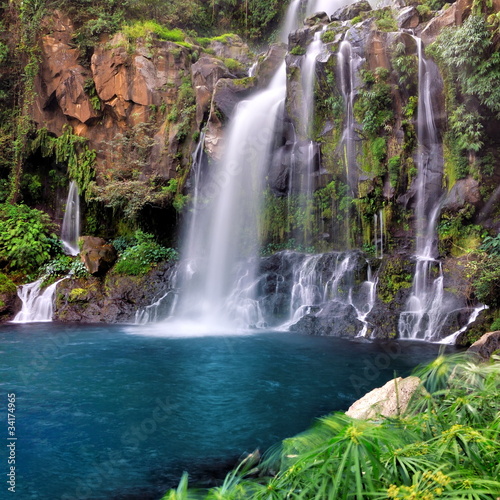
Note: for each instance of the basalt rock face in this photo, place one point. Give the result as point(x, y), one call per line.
point(130, 89)
point(113, 299)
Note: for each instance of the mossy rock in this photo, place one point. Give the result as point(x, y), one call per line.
point(78, 295)
point(396, 273)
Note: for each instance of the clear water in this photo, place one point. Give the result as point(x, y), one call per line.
point(111, 412)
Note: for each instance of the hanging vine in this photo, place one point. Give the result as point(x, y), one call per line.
point(70, 149)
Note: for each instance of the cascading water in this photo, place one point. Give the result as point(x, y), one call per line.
point(70, 231)
point(291, 20)
point(323, 282)
point(451, 339)
point(37, 306)
point(348, 63)
point(365, 301)
point(219, 288)
point(425, 308)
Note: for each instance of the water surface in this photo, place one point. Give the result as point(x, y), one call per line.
point(111, 412)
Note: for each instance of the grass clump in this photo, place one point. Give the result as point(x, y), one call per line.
point(141, 29)
point(445, 446)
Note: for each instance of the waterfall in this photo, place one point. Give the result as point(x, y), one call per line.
point(366, 301)
point(348, 63)
point(70, 231)
point(291, 20)
point(378, 233)
point(451, 339)
point(425, 309)
point(322, 280)
point(37, 306)
point(224, 228)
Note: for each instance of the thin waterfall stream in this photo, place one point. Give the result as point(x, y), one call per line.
point(425, 307)
point(70, 230)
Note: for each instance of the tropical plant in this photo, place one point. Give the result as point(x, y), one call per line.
point(26, 238)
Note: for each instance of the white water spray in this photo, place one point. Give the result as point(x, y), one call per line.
point(37, 305)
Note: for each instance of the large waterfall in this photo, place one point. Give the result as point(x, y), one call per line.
point(222, 246)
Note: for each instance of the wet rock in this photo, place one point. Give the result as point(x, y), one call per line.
point(269, 63)
point(390, 400)
point(436, 25)
point(351, 11)
point(465, 191)
point(113, 299)
point(205, 73)
point(408, 18)
point(8, 298)
point(227, 94)
point(232, 47)
point(476, 329)
point(335, 320)
point(97, 255)
point(487, 345)
point(317, 18)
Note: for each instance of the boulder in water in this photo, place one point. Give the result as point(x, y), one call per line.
point(97, 255)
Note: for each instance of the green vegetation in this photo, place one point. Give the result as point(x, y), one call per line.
point(140, 257)
point(6, 284)
point(26, 238)
point(70, 149)
point(394, 276)
point(142, 29)
point(445, 446)
point(384, 19)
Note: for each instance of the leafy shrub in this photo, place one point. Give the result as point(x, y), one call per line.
point(139, 258)
point(486, 280)
point(63, 265)
point(491, 244)
point(468, 52)
point(26, 238)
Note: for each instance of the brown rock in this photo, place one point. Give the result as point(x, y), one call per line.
point(436, 25)
point(272, 60)
point(487, 345)
point(62, 78)
point(205, 73)
point(317, 18)
point(389, 400)
point(97, 255)
point(351, 11)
